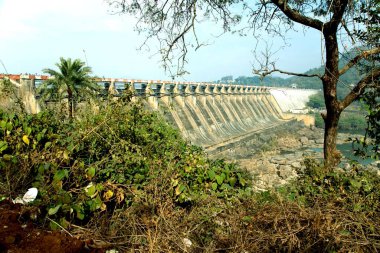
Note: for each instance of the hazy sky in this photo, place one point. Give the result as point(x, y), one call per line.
point(35, 33)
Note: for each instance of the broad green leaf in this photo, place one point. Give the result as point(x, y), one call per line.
point(28, 131)
point(54, 210)
point(247, 218)
point(60, 174)
point(355, 184)
point(357, 207)
point(90, 190)
point(80, 215)
point(232, 181)
point(98, 202)
point(179, 189)
point(225, 186)
point(7, 157)
point(47, 144)
point(3, 124)
point(9, 126)
point(79, 211)
point(211, 174)
point(66, 155)
point(91, 172)
point(188, 169)
point(3, 146)
point(64, 223)
point(220, 178)
point(242, 181)
point(345, 232)
point(139, 176)
point(53, 225)
point(214, 186)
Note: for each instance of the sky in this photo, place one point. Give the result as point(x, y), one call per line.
point(35, 34)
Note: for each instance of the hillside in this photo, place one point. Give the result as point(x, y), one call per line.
point(350, 77)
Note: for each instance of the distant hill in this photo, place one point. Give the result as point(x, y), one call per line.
point(352, 76)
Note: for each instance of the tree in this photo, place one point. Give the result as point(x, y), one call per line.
point(316, 101)
point(173, 22)
point(72, 80)
point(370, 19)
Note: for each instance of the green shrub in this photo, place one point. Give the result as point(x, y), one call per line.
point(121, 156)
point(348, 122)
point(357, 190)
point(316, 101)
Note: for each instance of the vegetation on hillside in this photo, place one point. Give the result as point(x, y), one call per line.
point(106, 161)
point(349, 78)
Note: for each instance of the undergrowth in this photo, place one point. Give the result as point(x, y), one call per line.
point(125, 178)
point(113, 159)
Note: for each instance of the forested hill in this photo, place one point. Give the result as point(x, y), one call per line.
point(350, 77)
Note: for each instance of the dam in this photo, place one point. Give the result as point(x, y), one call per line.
point(214, 116)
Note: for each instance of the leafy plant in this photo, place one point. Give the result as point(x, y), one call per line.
point(356, 190)
point(116, 158)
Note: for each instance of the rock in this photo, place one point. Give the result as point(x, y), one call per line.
point(282, 162)
point(266, 168)
point(319, 141)
point(347, 166)
point(296, 165)
point(339, 170)
point(286, 172)
point(304, 140)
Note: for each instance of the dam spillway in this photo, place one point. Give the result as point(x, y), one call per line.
point(216, 115)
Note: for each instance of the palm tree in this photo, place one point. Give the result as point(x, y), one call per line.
point(72, 80)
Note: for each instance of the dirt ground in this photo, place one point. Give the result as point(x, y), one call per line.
point(19, 234)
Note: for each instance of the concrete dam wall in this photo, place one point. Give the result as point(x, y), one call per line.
point(215, 116)
point(292, 100)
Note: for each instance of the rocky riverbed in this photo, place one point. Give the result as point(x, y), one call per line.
point(284, 159)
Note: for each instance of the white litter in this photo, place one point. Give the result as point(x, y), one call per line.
point(29, 196)
point(112, 251)
point(187, 242)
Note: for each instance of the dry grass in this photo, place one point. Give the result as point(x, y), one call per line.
point(240, 226)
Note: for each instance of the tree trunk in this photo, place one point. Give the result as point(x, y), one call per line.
point(333, 107)
point(70, 102)
point(331, 155)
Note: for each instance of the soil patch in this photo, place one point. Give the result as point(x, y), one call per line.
point(19, 234)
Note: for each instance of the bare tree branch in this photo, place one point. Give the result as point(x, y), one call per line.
point(344, 25)
point(268, 66)
point(356, 59)
point(297, 16)
point(268, 72)
point(360, 87)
